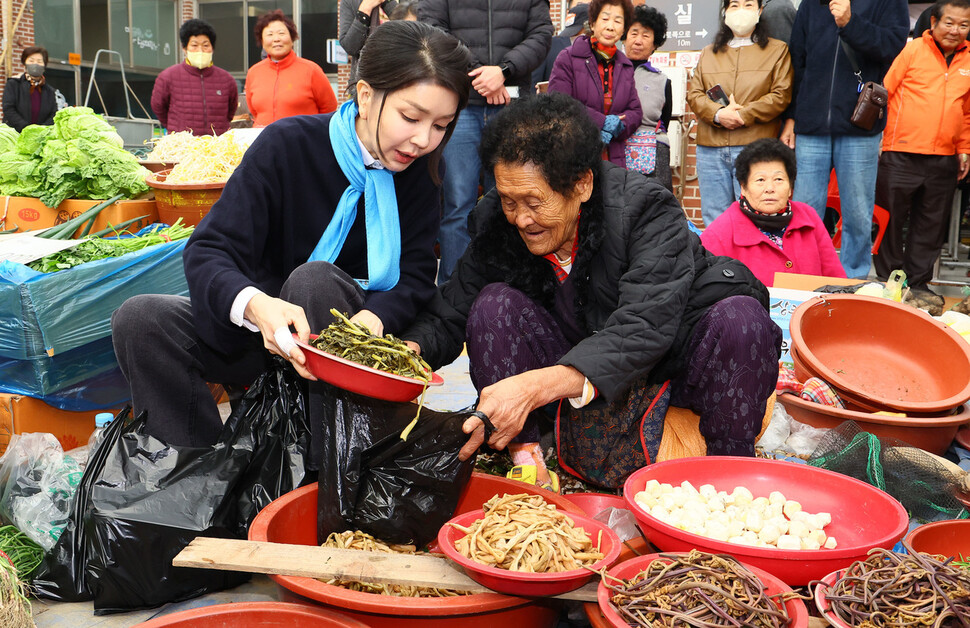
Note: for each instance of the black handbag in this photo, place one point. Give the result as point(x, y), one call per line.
point(873, 97)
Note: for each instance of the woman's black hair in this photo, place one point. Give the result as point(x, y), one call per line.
point(937, 9)
point(194, 27)
point(762, 151)
point(276, 15)
point(725, 34)
point(551, 131)
point(404, 9)
point(654, 20)
point(595, 6)
point(32, 50)
point(400, 53)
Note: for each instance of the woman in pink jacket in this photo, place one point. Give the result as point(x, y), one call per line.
point(765, 229)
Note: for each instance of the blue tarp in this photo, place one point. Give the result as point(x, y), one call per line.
point(47, 315)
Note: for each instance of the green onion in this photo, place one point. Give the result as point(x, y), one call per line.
point(65, 230)
point(24, 554)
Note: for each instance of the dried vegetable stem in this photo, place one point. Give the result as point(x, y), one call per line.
point(889, 589)
point(357, 540)
point(696, 589)
point(524, 533)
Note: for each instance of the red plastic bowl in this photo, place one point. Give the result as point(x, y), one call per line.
point(523, 583)
point(595, 503)
point(361, 379)
point(863, 516)
point(247, 614)
point(293, 519)
point(822, 602)
point(882, 354)
point(797, 611)
point(949, 538)
point(934, 434)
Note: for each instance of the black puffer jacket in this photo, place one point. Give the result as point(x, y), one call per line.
point(643, 282)
point(516, 32)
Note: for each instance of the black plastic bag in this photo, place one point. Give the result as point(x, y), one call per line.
point(61, 576)
point(149, 500)
point(371, 480)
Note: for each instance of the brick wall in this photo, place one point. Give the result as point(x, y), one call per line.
point(23, 36)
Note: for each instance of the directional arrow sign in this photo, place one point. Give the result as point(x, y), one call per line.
point(691, 24)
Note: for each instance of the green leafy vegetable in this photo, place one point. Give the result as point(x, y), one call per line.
point(95, 249)
point(8, 138)
point(80, 156)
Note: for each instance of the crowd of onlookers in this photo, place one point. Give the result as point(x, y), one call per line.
point(774, 95)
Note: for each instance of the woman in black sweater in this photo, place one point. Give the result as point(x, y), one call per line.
point(312, 219)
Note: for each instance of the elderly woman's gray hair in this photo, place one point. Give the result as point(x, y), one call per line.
point(551, 131)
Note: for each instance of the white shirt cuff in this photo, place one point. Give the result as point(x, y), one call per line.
point(589, 393)
point(238, 310)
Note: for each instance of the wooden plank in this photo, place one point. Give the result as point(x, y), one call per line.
point(308, 561)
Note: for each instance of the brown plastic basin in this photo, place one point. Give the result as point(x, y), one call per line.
point(882, 354)
point(934, 434)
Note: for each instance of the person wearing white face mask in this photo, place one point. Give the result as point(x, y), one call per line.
point(754, 74)
point(27, 98)
point(195, 95)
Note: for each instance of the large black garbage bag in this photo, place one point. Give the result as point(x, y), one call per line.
point(61, 576)
point(371, 480)
point(150, 499)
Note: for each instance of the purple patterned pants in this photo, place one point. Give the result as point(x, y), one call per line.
point(731, 361)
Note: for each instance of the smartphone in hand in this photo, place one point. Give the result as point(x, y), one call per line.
point(717, 94)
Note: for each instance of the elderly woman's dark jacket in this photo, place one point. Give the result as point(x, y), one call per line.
point(643, 281)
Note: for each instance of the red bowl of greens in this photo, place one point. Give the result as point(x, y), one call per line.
point(361, 379)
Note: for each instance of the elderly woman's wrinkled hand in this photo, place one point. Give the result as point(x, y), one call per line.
point(507, 404)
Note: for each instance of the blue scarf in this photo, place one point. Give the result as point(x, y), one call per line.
point(380, 207)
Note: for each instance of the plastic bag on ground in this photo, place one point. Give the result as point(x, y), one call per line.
point(777, 431)
point(37, 485)
point(371, 480)
point(143, 501)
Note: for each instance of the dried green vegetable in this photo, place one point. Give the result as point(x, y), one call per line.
point(696, 589)
point(348, 340)
point(95, 248)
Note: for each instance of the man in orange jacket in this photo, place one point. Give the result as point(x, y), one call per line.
point(926, 144)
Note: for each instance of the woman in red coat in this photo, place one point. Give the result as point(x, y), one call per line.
point(597, 74)
point(765, 229)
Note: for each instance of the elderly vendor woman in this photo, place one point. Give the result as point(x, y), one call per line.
point(582, 293)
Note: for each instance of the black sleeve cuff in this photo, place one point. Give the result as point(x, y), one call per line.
point(363, 18)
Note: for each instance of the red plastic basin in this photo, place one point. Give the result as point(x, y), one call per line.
point(797, 611)
point(882, 354)
point(293, 519)
point(863, 517)
point(522, 583)
point(361, 379)
point(949, 538)
point(251, 614)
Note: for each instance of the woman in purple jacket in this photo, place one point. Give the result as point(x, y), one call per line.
point(195, 95)
point(597, 74)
